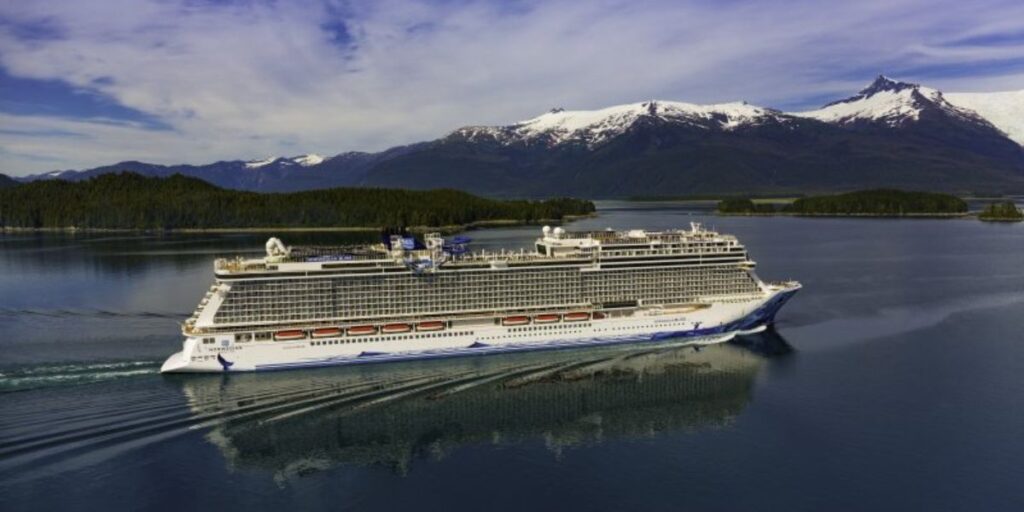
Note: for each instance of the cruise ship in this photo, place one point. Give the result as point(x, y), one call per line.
point(407, 298)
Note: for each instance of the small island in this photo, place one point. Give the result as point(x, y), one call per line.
point(866, 203)
point(1001, 211)
point(130, 201)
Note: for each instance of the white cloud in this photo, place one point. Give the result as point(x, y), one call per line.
point(239, 80)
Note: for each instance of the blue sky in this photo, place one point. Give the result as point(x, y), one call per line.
point(193, 81)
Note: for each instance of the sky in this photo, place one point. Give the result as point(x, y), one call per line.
point(88, 83)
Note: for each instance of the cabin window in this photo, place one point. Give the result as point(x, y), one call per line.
point(207, 341)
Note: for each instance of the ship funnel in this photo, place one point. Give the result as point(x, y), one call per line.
point(276, 249)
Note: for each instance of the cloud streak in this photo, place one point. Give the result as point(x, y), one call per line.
point(246, 79)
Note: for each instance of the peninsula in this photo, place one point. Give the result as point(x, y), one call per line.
point(129, 201)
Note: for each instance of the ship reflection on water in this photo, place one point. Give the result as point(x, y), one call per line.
point(392, 415)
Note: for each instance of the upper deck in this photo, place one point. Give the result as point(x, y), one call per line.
point(554, 247)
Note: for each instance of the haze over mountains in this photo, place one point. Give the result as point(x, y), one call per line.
point(890, 134)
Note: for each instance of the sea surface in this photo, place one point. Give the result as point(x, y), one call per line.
point(893, 381)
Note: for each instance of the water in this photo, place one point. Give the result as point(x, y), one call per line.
point(893, 381)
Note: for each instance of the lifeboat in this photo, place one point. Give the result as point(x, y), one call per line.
point(361, 330)
point(577, 316)
point(289, 335)
point(598, 315)
point(430, 326)
point(515, 320)
point(395, 328)
point(327, 332)
point(546, 319)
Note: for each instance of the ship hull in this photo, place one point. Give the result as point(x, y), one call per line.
point(718, 323)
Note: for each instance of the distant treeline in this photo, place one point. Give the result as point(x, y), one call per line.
point(866, 202)
point(132, 201)
point(744, 205)
point(715, 197)
point(1002, 210)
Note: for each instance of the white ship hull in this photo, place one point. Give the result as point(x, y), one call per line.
point(717, 323)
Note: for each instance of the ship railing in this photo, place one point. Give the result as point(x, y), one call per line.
point(341, 252)
point(506, 255)
point(612, 237)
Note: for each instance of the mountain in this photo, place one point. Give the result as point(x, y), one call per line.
point(7, 181)
point(890, 134)
point(921, 115)
point(273, 174)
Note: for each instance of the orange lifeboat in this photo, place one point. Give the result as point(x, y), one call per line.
point(395, 328)
point(546, 319)
point(289, 335)
point(430, 326)
point(327, 332)
point(577, 316)
point(515, 320)
point(361, 330)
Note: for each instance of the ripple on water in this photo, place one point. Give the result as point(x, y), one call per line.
point(63, 374)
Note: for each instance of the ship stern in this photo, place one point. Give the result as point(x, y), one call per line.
point(181, 361)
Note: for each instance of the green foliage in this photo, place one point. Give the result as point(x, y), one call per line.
point(1002, 210)
point(878, 202)
point(132, 201)
point(740, 205)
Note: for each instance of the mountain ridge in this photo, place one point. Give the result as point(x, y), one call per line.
point(890, 133)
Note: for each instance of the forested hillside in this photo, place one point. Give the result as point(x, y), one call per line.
point(133, 201)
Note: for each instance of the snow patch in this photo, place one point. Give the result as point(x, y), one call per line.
point(308, 160)
point(594, 126)
point(256, 164)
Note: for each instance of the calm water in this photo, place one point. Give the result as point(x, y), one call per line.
point(895, 380)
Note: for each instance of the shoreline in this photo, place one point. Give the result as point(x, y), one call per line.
point(853, 215)
point(480, 224)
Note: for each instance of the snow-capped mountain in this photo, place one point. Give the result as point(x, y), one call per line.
point(888, 102)
point(1005, 110)
point(592, 127)
point(885, 102)
point(889, 134)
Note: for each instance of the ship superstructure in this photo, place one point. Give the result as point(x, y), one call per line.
point(405, 299)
